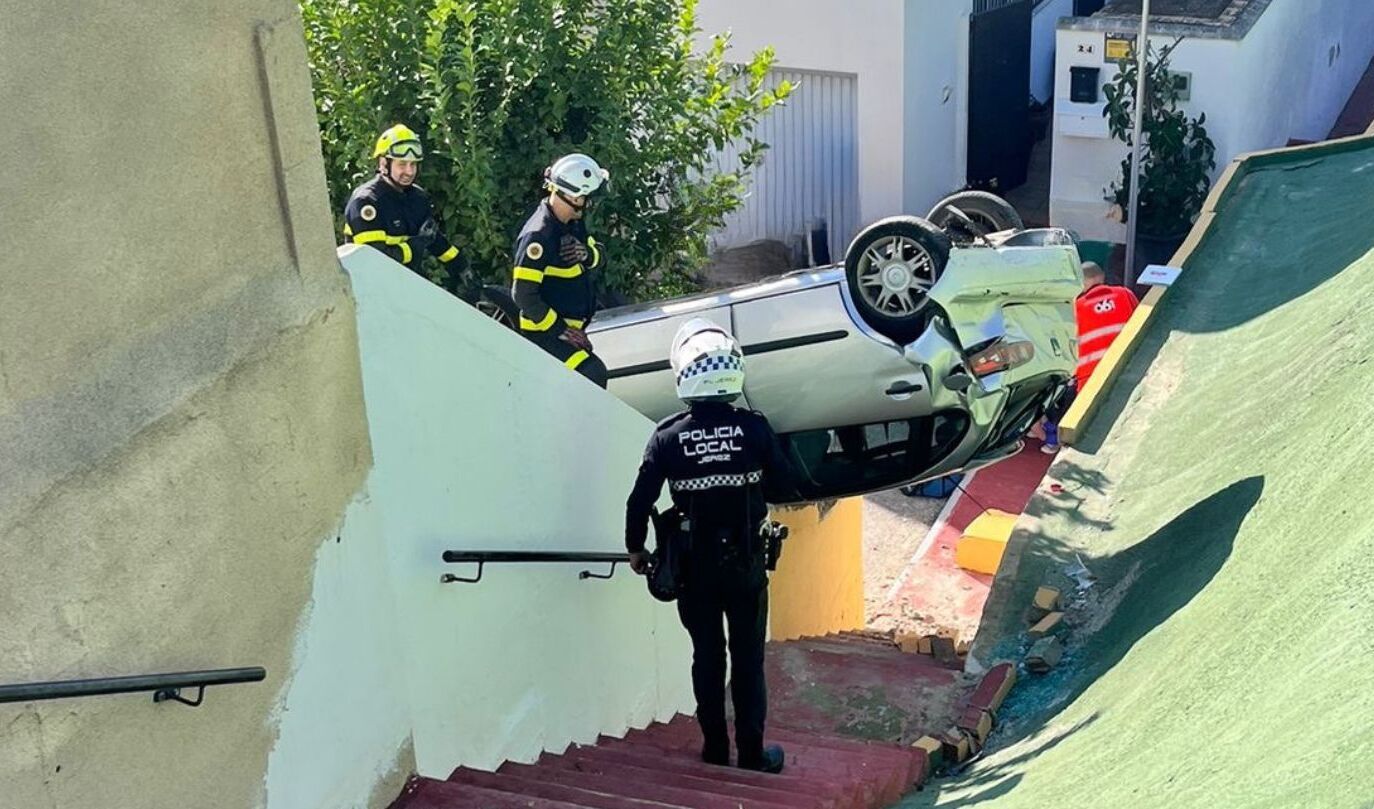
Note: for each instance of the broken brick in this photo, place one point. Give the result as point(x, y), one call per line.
point(925, 645)
point(1047, 625)
point(1045, 602)
point(1045, 654)
point(976, 722)
point(908, 643)
point(943, 648)
point(994, 687)
point(957, 746)
point(934, 750)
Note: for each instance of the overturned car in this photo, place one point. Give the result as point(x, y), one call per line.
point(932, 350)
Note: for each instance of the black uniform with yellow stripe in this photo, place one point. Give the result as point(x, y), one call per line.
point(554, 288)
point(398, 222)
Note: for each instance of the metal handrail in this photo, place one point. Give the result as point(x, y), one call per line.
point(164, 686)
point(482, 558)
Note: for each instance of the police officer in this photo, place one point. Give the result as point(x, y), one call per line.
point(392, 213)
point(721, 464)
point(554, 257)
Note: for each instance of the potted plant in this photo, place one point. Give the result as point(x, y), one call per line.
point(1176, 158)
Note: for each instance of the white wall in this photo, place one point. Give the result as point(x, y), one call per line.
point(1306, 58)
point(483, 442)
point(935, 156)
point(900, 69)
point(1258, 92)
point(480, 442)
point(344, 717)
point(1044, 25)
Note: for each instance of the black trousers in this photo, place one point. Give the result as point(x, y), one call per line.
point(705, 612)
point(584, 362)
point(1060, 406)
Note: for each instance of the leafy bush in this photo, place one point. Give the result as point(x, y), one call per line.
point(499, 88)
point(1177, 156)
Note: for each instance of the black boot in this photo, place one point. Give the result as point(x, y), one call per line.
point(771, 761)
point(718, 754)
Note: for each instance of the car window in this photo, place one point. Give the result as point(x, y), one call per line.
point(839, 461)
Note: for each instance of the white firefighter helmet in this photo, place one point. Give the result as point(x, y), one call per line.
point(575, 175)
point(707, 363)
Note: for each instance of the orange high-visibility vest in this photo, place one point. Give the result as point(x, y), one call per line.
point(1102, 314)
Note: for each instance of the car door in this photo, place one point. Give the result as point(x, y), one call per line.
point(636, 356)
point(809, 366)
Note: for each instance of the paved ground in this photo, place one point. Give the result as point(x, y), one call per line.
point(894, 526)
point(1032, 198)
point(1225, 655)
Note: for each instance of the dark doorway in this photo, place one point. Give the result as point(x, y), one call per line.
point(999, 94)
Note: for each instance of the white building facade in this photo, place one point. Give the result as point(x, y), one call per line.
point(877, 125)
point(1267, 72)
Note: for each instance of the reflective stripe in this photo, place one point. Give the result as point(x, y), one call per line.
point(527, 274)
point(543, 325)
point(574, 322)
point(448, 255)
point(1091, 358)
point(715, 481)
point(348, 229)
point(564, 272)
point(576, 359)
point(370, 236)
point(1105, 331)
point(596, 254)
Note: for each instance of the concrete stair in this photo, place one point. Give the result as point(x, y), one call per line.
point(825, 694)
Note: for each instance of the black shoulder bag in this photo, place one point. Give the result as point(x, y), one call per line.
point(665, 578)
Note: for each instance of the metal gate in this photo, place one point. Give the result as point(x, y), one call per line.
point(998, 99)
point(811, 169)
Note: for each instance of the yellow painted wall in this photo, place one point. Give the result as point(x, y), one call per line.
point(818, 587)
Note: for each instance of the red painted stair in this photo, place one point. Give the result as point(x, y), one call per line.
point(824, 693)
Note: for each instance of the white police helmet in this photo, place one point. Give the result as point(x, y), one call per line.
point(707, 362)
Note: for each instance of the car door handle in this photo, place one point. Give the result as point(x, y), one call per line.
point(902, 386)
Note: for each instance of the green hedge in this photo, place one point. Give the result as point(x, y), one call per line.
point(499, 88)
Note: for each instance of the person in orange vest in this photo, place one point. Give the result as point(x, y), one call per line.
point(1102, 311)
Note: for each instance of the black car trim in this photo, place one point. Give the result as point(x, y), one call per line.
point(642, 368)
point(756, 348)
point(795, 342)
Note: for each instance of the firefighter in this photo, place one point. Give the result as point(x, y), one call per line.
point(393, 214)
point(554, 258)
point(722, 465)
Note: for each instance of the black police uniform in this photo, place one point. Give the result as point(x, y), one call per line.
point(553, 286)
point(722, 465)
point(399, 222)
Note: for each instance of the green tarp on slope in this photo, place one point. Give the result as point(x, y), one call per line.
point(1224, 498)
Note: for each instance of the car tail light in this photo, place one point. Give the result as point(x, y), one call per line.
point(1001, 356)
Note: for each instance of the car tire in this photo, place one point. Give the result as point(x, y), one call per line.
point(496, 303)
point(969, 214)
point(890, 267)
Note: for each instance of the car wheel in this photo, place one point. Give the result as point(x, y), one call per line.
point(496, 303)
point(891, 267)
point(967, 215)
